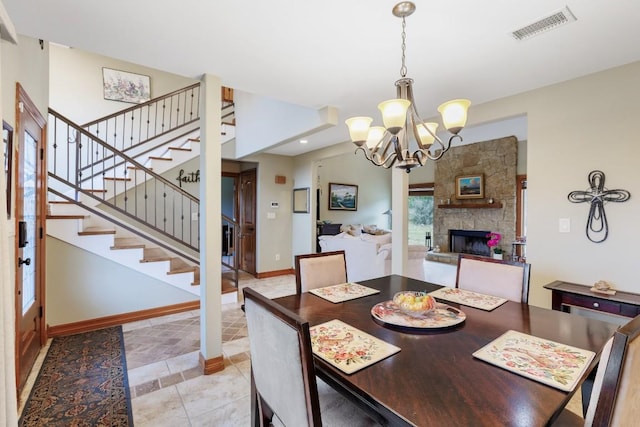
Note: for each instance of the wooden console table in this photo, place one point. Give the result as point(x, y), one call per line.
point(565, 295)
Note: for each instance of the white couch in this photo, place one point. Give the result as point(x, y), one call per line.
point(369, 256)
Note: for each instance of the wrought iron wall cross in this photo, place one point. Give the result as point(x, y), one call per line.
point(597, 226)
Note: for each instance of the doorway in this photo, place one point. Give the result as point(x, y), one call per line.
point(248, 191)
point(30, 229)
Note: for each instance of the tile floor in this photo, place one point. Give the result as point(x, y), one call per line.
point(166, 384)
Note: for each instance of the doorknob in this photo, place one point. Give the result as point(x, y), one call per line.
point(26, 261)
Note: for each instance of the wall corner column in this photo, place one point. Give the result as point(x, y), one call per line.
point(211, 358)
point(399, 221)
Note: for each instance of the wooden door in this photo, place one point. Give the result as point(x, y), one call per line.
point(248, 186)
point(29, 219)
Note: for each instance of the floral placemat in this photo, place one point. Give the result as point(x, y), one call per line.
point(343, 292)
point(472, 299)
point(347, 348)
point(551, 363)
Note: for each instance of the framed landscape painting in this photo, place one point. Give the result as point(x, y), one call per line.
point(343, 197)
point(470, 186)
point(126, 87)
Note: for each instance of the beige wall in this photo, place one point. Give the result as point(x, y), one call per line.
point(339, 164)
point(586, 124)
point(76, 293)
point(76, 83)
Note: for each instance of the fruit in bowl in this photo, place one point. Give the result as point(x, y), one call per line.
point(414, 303)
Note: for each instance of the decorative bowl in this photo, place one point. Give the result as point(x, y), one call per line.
point(414, 303)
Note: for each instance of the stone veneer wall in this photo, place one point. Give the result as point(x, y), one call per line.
point(496, 159)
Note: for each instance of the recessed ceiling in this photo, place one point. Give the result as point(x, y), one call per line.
point(345, 54)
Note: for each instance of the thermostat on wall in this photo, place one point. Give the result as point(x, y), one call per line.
point(275, 205)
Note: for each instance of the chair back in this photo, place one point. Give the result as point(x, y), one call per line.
point(505, 279)
point(321, 269)
point(615, 399)
point(282, 371)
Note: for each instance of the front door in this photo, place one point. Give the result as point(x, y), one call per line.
point(29, 219)
point(248, 186)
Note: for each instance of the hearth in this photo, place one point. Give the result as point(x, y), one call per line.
point(469, 242)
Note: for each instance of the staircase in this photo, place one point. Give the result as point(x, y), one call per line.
point(109, 198)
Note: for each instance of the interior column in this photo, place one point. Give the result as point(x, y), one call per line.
point(210, 226)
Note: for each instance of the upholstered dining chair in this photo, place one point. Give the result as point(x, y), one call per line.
point(320, 269)
point(615, 397)
point(500, 278)
point(284, 389)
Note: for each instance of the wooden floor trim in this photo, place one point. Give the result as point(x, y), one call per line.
point(211, 366)
point(118, 319)
point(275, 273)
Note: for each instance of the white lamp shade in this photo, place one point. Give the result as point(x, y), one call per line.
point(359, 128)
point(454, 114)
point(426, 138)
point(376, 133)
point(394, 114)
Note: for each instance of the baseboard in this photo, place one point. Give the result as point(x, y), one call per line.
point(275, 273)
point(118, 319)
point(211, 366)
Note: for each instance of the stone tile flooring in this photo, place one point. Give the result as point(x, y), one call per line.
point(166, 384)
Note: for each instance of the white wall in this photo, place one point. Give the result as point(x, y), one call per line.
point(575, 127)
point(76, 293)
point(76, 83)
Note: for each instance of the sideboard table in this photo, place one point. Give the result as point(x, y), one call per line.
point(565, 295)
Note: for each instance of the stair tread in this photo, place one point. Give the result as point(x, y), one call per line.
point(109, 178)
point(91, 231)
point(66, 216)
point(95, 190)
point(180, 149)
point(160, 158)
point(60, 202)
point(127, 243)
point(154, 255)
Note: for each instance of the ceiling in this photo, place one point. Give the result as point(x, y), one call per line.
point(346, 53)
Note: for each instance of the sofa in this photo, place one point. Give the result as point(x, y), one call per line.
point(369, 254)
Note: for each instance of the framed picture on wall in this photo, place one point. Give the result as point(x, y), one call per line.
point(125, 87)
point(470, 186)
point(343, 197)
point(301, 200)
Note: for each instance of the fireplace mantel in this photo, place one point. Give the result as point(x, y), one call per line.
point(494, 205)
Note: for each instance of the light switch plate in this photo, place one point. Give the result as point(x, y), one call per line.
point(271, 215)
point(564, 225)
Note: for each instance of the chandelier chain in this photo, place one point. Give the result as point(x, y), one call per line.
point(403, 69)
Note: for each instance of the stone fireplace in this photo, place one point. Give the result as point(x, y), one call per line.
point(496, 212)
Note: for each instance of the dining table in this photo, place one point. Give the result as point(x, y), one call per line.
point(434, 380)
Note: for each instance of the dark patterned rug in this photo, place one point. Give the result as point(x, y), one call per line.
point(83, 382)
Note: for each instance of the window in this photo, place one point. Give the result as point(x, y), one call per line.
point(420, 214)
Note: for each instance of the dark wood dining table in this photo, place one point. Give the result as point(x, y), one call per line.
point(434, 380)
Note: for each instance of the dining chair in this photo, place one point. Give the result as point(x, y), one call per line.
point(320, 269)
point(284, 388)
point(500, 278)
point(615, 397)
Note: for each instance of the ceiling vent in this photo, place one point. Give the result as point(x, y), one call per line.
point(551, 22)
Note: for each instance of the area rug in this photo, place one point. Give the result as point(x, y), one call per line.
point(83, 382)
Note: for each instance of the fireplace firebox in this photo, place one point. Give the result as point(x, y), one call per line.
point(469, 242)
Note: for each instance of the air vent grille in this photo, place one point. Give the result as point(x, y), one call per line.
point(557, 19)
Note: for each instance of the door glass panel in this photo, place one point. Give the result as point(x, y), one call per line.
point(29, 216)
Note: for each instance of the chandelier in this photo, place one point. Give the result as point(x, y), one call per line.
point(389, 145)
